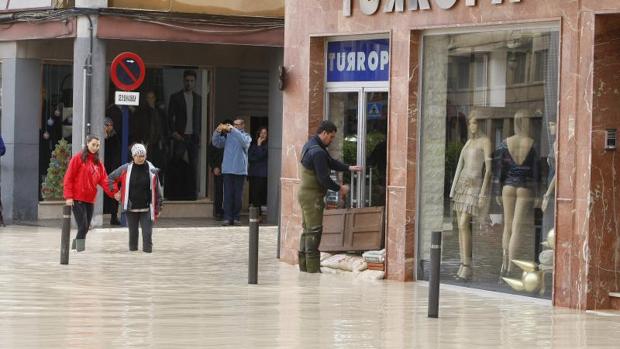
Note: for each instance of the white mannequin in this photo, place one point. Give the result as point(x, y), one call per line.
point(516, 200)
point(471, 181)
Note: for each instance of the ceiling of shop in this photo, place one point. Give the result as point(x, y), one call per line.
point(254, 8)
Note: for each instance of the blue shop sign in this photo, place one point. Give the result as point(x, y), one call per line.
point(360, 60)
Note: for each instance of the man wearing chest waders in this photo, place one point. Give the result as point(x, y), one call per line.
point(315, 181)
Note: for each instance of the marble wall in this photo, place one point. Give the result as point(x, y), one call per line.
point(604, 235)
point(585, 225)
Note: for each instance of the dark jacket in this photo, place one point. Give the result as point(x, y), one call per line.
point(177, 113)
point(112, 152)
point(314, 157)
point(2, 147)
point(149, 126)
point(257, 157)
point(216, 156)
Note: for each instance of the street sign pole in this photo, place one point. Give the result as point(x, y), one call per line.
point(124, 149)
point(127, 72)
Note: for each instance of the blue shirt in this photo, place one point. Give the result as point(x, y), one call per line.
point(235, 145)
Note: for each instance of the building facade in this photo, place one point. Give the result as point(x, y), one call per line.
point(491, 121)
point(56, 56)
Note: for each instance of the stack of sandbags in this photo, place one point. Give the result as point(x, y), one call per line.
point(346, 262)
point(349, 264)
point(375, 259)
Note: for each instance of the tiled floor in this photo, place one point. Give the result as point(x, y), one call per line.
point(193, 292)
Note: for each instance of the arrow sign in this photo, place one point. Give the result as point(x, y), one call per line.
point(127, 71)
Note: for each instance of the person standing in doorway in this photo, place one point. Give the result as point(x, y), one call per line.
point(216, 156)
point(185, 125)
point(140, 196)
point(315, 181)
point(235, 142)
point(84, 173)
point(257, 173)
point(112, 161)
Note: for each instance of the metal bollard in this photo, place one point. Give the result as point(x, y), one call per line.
point(253, 254)
point(433, 283)
point(66, 234)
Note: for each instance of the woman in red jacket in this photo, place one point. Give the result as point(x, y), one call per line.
point(85, 172)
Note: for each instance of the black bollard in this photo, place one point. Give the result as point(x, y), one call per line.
point(66, 234)
point(433, 283)
point(253, 261)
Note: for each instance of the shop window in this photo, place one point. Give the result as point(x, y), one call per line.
point(56, 113)
point(487, 166)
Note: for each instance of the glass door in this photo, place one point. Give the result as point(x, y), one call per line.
point(361, 118)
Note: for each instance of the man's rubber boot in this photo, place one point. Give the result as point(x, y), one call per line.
point(80, 244)
point(313, 262)
point(302, 261)
point(313, 256)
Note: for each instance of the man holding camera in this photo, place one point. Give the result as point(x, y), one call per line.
point(235, 142)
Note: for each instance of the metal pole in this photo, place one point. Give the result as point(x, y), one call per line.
point(253, 262)
point(433, 284)
point(124, 148)
point(66, 234)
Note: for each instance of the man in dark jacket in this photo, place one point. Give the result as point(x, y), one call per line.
point(315, 181)
point(185, 124)
point(112, 161)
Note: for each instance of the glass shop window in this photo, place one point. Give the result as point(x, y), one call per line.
point(488, 158)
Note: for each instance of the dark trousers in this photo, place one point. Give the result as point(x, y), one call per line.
point(110, 206)
point(218, 187)
point(142, 219)
point(258, 191)
point(83, 213)
point(233, 191)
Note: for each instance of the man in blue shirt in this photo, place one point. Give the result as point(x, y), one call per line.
point(235, 142)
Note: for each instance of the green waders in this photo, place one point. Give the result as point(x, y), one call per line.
point(310, 196)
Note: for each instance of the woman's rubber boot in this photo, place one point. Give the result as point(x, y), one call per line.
point(73, 244)
point(80, 244)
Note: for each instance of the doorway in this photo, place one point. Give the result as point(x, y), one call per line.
point(361, 115)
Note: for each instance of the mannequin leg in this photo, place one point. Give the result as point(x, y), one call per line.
point(508, 201)
point(465, 271)
point(524, 200)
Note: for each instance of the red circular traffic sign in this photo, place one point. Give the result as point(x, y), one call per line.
point(127, 71)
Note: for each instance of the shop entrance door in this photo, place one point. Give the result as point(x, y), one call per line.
point(361, 117)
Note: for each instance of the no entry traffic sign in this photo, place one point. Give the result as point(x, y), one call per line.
point(127, 71)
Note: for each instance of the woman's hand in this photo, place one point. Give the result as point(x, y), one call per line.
point(117, 196)
point(69, 202)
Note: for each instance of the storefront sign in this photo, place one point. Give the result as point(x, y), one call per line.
point(126, 98)
point(361, 60)
point(370, 7)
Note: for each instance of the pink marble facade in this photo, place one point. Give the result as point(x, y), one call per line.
point(587, 235)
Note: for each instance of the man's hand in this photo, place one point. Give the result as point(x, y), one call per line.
point(217, 171)
point(355, 168)
point(177, 136)
point(344, 190)
point(69, 202)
